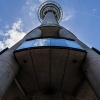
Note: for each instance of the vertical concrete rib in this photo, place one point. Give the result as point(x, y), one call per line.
point(64, 71)
point(91, 68)
point(35, 71)
point(8, 70)
point(50, 64)
point(20, 88)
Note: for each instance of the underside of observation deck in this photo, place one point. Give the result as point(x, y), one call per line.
point(50, 72)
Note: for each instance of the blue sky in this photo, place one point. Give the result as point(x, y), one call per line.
point(18, 17)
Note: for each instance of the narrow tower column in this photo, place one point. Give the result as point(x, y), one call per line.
point(91, 68)
point(8, 70)
point(49, 19)
point(8, 66)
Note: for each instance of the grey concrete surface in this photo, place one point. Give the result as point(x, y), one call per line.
point(8, 70)
point(8, 65)
point(49, 19)
point(91, 66)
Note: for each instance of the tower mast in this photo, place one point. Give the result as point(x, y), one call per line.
point(50, 13)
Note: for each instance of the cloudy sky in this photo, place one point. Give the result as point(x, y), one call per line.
point(18, 17)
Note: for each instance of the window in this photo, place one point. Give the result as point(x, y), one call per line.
point(50, 42)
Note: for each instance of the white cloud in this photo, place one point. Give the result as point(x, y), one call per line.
point(1, 45)
point(32, 5)
point(92, 15)
point(67, 17)
point(7, 26)
point(1, 32)
point(29, 14)
point(94, 10)
point(41, 1)
point(27, 3)
point(12, 35)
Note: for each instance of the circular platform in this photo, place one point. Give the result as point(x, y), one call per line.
point(50, 6)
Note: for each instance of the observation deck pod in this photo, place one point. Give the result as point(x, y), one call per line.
point(50, 6)
point(50, 64)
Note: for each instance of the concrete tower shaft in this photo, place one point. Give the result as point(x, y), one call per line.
point(50, 13)
point(48, 63)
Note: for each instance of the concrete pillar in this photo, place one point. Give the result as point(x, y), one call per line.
point(91, 68)
point(8, 65)
point(34, 34)
point(66, 34)
point(91, 65)
point(8, 70)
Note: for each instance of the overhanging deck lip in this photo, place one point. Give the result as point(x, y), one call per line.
point(50, 47)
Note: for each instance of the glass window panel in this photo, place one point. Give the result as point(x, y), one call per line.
point(41, 42)
point(26, 44)
point(73, 44)
point(49, 42)
point(58, 42)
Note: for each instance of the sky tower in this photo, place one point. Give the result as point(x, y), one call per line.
point(49, 63)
